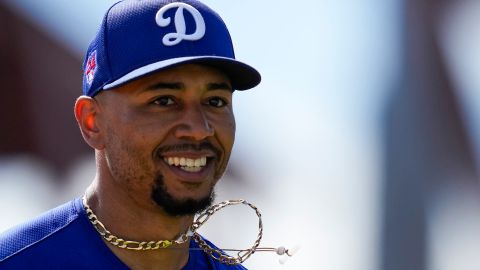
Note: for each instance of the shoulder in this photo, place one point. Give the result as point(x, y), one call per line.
point(62, 238)
point(36, 231)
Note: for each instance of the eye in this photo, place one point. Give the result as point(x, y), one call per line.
point(164, 101)
point(217, 102)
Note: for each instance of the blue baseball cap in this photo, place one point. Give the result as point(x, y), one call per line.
point(139, 37)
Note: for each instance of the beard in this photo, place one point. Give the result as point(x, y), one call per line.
point(178, 207)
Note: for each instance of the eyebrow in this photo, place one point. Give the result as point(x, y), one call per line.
point(164, 85)
point(220, 86)
point(180, 86)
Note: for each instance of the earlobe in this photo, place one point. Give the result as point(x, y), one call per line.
point(86, 113)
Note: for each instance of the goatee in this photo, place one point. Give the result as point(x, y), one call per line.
point(175, 207)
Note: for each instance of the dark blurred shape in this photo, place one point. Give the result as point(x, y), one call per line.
point(40, 80)
point(426, 141)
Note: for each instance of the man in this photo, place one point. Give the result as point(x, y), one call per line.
point(157, 109)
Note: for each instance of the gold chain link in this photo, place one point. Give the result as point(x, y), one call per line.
point(215, 253)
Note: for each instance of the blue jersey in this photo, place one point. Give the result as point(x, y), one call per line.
point(64, 238)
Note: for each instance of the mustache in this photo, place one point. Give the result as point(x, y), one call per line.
point(188, 147)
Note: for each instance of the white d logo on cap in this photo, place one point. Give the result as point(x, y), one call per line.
point(171, 39)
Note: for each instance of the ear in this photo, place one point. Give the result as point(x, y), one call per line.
point(86, 113)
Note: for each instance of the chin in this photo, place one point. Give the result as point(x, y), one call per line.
point(179, 206)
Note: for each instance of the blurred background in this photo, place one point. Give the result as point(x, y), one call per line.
point(361, 144)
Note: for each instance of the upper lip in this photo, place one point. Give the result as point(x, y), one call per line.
point(189, 154)
point(188, 150)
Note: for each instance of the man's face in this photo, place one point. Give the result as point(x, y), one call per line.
point(168, 136)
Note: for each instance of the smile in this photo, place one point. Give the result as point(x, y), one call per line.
point(187, 164)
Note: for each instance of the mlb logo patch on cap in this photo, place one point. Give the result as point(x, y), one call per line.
point(91, 67)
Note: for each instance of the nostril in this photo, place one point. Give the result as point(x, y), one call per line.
point(194, 131)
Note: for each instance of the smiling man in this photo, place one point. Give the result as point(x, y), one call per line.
point(157, 109)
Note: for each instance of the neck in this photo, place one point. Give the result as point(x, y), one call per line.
point(132, 220)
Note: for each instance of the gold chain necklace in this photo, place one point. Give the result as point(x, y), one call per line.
point(128, 244)
point(215, 253)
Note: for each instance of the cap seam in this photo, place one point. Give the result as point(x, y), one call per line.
point(105, 46)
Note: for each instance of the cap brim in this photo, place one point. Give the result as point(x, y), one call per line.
point(242, 76)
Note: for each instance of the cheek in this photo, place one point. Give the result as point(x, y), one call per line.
point(225, 135)
point(232, 128)
point(142, 128)
point(128, 153)
point(153, 127)
point(225, 132)
point(132, 169)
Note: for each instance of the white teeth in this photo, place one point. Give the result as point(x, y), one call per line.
point(198, 162)
point(187, 164)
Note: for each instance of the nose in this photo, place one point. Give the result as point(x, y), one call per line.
point(194, 125)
